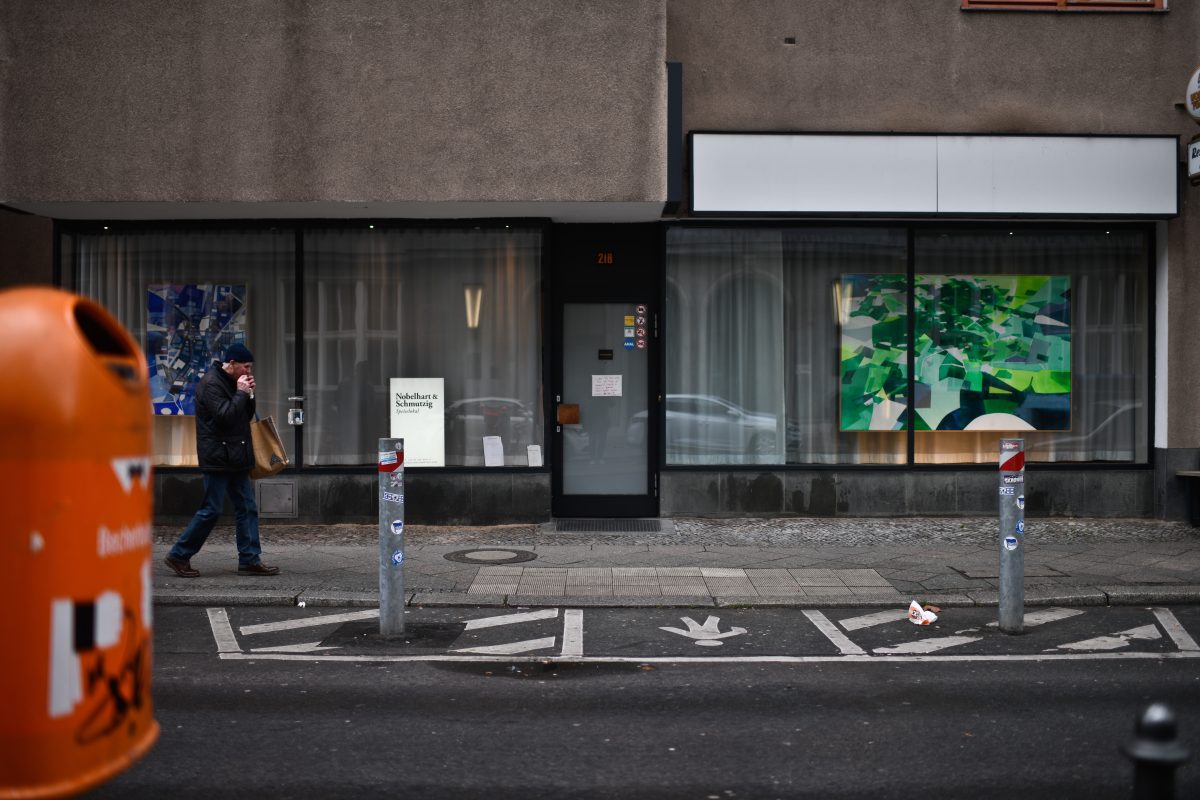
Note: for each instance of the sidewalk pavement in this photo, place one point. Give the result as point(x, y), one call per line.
point(800, 562)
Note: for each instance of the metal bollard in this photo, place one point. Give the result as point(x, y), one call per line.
point(1156, 753)
point(1012, 535)
point(391, 537)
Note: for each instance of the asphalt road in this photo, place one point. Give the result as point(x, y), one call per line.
point(628, 716)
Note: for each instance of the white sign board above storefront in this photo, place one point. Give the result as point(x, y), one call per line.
point(419, 417)
point(934, 175)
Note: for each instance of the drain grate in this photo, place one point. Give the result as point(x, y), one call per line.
point(607, 526)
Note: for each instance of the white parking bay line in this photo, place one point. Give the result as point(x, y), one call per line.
point(511, 619)
point(839, 639)
point(572, 633)
point(1044, 616)
point(218, 620)
point(927, 645)
point(878, 618)
point(309, 622)
point(1182, 638)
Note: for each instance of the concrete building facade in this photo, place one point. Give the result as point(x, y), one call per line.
point(503, 195)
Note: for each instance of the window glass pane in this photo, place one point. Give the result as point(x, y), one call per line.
point(184, 294)
point(461, 304)
point(1064, 340)
point(754, 340)
point(847, 325)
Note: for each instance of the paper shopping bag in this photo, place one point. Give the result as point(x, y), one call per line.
point(269, 455)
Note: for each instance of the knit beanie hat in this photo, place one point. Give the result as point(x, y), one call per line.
point(239, 352)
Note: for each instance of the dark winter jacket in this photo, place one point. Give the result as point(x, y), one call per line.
point(223, 417)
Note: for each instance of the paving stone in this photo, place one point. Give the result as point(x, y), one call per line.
point(436, 599)
point(862, 577)
point(492, 586)
point(635, 580)
point(695, 586)
point(590, 572)
point(730, 586)
point(677, 571)
point(829, 580)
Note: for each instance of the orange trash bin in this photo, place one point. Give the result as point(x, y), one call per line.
point(75, 546)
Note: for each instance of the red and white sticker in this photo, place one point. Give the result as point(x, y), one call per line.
point(1015, 463)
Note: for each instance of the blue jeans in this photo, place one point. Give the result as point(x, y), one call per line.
point(216, 485)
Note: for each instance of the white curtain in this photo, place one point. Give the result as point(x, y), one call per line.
point(753, 340)
point(117, 267)
point(462, 304)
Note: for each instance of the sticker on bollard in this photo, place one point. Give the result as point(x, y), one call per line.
point(397, 558)
point(389, 461)
point(1021, 502)
point(1010, 543)
point(1020, 526)
point(392, 497)
point(397, 526)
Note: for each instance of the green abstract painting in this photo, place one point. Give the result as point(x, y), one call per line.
point(992, 352)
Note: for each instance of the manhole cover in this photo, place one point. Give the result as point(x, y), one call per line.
point(496, 555)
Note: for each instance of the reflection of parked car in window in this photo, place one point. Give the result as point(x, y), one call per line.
point(469, 420)
point(699, 423)
point(1114, 437)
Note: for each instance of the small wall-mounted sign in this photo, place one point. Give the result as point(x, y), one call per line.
point(1191, 100)
point(606, 355)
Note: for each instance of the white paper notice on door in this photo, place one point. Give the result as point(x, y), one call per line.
point(606, 386)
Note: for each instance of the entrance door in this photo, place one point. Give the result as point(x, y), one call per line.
point(605, 423)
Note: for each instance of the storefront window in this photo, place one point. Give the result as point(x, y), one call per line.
point(753, 341)
point(1063, 361)
point(185, 294)
point(461, 304)
point(791, 345)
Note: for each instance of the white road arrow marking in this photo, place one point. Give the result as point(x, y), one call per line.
point(1044, 616)
point(706, 635)
point(572, 633)
point(1116, 641)
point(305, 647)
point(869, 620)
point(927, 645)
point(309, 622)
point(512, 648)
point(511, 619)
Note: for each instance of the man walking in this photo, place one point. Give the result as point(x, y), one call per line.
point(224, 408)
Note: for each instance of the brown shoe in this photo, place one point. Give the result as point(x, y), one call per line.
point(182, 568)
point(258, 569)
